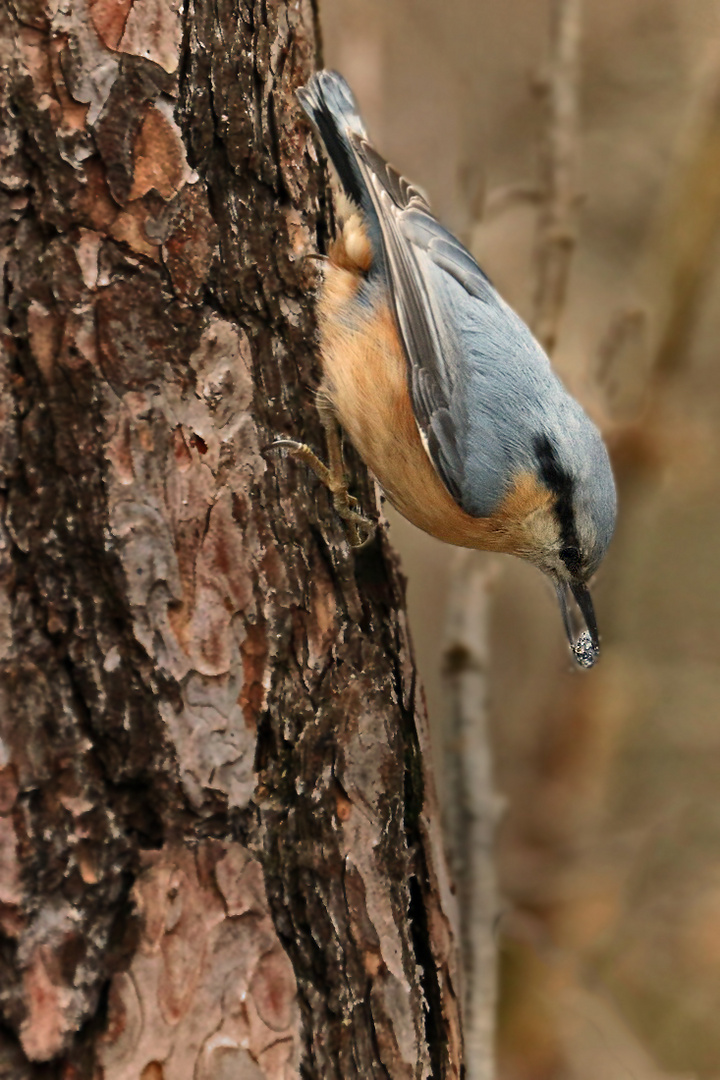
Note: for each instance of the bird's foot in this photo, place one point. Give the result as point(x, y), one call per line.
point(360, 530)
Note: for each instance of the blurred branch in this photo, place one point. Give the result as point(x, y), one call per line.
point(652, 341)
point(682, 242)
point(471, 804)
point(555, 239)
point(500, 199)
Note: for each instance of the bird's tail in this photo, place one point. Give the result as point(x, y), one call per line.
point(328, 101)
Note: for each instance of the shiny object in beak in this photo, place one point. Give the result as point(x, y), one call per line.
point(585, 646)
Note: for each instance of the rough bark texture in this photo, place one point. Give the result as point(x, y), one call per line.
point(220, 850)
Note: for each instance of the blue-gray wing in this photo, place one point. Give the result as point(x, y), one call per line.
point(467, 351)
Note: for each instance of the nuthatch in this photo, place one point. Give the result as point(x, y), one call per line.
point(441, 387)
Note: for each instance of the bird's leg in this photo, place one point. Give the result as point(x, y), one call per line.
point(343, 501)
point(332, 475)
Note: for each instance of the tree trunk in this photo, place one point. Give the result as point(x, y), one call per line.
point(220, 851)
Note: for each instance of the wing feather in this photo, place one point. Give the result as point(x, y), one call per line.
point(414, 244)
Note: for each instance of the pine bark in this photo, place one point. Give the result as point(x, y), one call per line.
point(218, 838)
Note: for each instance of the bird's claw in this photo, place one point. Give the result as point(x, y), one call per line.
point(336, 483)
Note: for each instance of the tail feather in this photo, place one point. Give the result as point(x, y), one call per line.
point(329, 103)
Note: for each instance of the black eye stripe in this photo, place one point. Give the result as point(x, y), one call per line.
point(562, 486)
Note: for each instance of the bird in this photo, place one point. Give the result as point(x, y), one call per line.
point(442, 388)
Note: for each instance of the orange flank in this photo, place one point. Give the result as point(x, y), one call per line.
point(365, 379)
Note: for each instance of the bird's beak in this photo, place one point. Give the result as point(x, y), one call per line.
point(585, 645)
point(583, 599)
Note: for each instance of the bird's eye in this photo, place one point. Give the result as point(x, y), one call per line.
point(570, 555)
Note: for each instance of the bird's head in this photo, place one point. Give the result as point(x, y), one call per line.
point(568, 531)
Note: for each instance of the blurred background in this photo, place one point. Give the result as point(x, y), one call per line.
point(608, 844)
